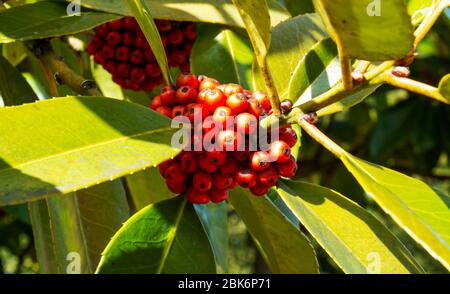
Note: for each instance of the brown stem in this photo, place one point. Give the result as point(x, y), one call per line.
point(60, 71)
point(346, 69)
point(270, 86)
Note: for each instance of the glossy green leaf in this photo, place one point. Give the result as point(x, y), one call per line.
point(162, 238)
point(101, 139)
point(14, 90)
point(148, 187)
point(105, 83)
point(297, 7)
point(420, 210)
point(356, 240)
point(212, 11)
point(356, 25)
point(444, 87)
point(46, 19)
point(283, 246)
point(144, 16)
point(214, 218)
point(223, 54)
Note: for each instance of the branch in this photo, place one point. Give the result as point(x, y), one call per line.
point(346, 69)
point(416, 87)
point(61, 73)
point(270, 86)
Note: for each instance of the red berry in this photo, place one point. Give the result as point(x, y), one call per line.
point(175, 174)
point(129, 84)
point(108, 51)
point(230, 89)
point(116, 24)
point(168, 96)
point(137, 74)
point(156, 102)
point(179, 110)
point(230, 166)
point(289, 136)
point(233, 184)
point(176, 57)
point(123, 53)
point(246, 123)
point(223, 116)
point(165, 165)
point(137, 57)
point(111, 67)
point(202, 181)
point(149, 85)
point(228, 140)
point(176, 188)
point(113, 38)
point(255, 108)
point(287, 169)
point(100, 58)
point(222, 181)
point(102, 30)
point(187, 80)
point(163, 25)
point(214, 98)
point(279, 151)
point(164, 40)
point(187, 48)
point(152, 70)
point(268, 177)
point(242, 155)
point(130, 24)
point(188, 162)
point(237, 102)
point(148, 54)
point(176, 37)
point(208, 83)
point(217, 157)
point(246, 177)
point(197, 197)
point(123, 70)
point(185, 66)
point(218, 195)
point(189, 31)
point(186, 95)
point(263, 100)
point(140, 42)
point(164, 110)
point(259, 189)
point(198, 110)
point(206, 165)
point(118, 80)
point(260, 160)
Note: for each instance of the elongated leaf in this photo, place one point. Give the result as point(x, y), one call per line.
point(144, 16)
point(422, 211)
point(356, 25)
point(104, 81)
point(283, 246)
point(46, 19)
point(444, 87)
point(212, 11)
point(222, 54)
point(214, 218)
point(162, 238)
point(100, 139)
point(14, 90)
point(357, 241)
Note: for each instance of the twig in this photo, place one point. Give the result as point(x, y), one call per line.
point(346, 69)
point(270, 86)
point(320, 137)
point(60, 71)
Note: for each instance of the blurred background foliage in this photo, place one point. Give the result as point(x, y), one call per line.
point(394, 128)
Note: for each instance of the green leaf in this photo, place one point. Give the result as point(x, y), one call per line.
point(418, 9)
point(14, 89)
point(357, 25)
point(214, 218)
point(356, 240)
point(144, 16)
point(148, 187)
point(104, 81)
point(297, 7)
point(211, 11)
point(78, 224)
point(444, 87)
point(162, 238)
point(101, 139)
point(15, 52)
point(283, 246)
point(292, 40)
point(46, 19)
point(223, 54)
point(420, 210)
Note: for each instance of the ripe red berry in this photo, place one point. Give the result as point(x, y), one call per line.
point(207, 83)
point(185, 66)
point(176, 57)
point(260, 160)
point(237, 102)
point(102, 30)
point(118, 80)
point(149, 85)
point(164, 110)
point(108, 51)
point(116, 24)
point(268, 177)
point(113, 38)
point(230, 166)
point(137, 75)
point(214, 98)
point(156, 102)
point(152, 70)
point(230, 89)
point(206, 165)
point(242, 155)
point(130, 24)
point(100, 58)
point(123, 70)
point(187, 80)
point(197, 197)
point(188, 162)
point(228, 140)
point(189, 31)
point(233, 184)
point(218, 195)
point(263, 100)
point(223, 115)
point(176, 37)
point(129, 84)
point(187, 49)
point(255, 108)
point(163, 166)
point(176, 188)
point(137, 57)
point(163, 25)
point(289, 136)
point(111, 67)
point(186, 95)
point(140, 42)
point(168, 96)
point(246, 177)
point(148, 54)
point(259, 189)
point(287, 169)
point(197, 110)
point(217, 157)
point(179, 110)
point(222, 181)
point(246, 123)
point(279, 151)
point(175, 174)
point(122, 53)
point(202, 181)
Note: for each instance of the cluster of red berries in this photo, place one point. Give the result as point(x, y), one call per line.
point(122, 49)
point(207, 173)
